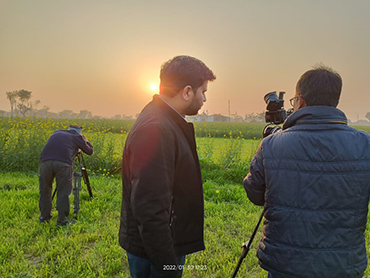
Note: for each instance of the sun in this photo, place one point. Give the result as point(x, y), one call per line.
point(154, 87)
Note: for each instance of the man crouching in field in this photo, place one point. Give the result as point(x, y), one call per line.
point(162, 206)
point(313, 178)
point(56, 160)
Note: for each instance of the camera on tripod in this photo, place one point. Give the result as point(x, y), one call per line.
point(275, 114)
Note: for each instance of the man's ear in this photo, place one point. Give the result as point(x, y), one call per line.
point(302, 103)
point(186, 92)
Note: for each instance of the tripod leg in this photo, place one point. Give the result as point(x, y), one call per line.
point(84, 174)
point(246, 246)
point(76, 193)
point(55, 191)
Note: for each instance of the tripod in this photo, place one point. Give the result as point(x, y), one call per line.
point(77, 184)
point(246, 245)
point(81, 161)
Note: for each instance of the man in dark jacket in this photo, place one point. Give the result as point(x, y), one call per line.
point(313, 178)
point(162, 205)
point(56, 160)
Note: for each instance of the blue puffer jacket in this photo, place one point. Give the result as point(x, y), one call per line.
point(314, 180)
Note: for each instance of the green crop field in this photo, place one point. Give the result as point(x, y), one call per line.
point(90, 247)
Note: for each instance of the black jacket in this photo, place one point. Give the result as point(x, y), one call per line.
point(161, 173)
point(63, 146)
point(314, 180)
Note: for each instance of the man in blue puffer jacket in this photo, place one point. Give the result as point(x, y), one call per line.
point(313, 178)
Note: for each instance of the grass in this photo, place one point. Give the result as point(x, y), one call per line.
point(90, 247)
point(87, 249)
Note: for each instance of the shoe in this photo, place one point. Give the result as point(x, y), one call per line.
point(72, 222)
point(66, 223)
point(45, 219)
point(63, 218)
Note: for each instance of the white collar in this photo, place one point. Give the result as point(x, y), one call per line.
point(172, 108)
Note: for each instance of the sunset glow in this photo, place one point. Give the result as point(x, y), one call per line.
point(154, 87)
point(108, 54)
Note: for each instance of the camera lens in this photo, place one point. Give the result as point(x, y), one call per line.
point(273, 102)
point(271, 97)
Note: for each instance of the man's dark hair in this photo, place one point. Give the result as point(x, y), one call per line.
point(182, 71)
point(320, 86)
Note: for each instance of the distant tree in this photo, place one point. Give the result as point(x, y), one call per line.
point(12, 96)
point(53, 115)
point(236, 118)
point(24, 102)
point(44, 112)
point(367, 116)
point(85, 114)
point(66, 114)
point(117, 117)
point(125, 117)
point(24, 95)
point(255, 117)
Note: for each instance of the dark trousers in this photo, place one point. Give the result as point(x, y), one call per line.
point(141, 267)
point(63, 173)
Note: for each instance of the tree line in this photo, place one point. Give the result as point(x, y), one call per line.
point(21, 104)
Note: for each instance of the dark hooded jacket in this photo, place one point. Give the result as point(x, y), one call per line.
point(162, 205)
point(314, 180)
point(63, 146)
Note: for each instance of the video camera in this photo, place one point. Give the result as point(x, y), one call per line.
point(275, 114)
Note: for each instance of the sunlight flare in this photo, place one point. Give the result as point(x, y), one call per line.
point(154, 87)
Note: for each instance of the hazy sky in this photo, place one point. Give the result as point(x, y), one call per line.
point(103, 56)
